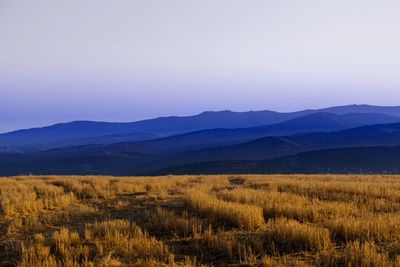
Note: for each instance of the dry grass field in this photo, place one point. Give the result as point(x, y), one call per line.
point(254, 220)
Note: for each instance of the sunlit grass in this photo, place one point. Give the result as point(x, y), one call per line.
point(277, 220)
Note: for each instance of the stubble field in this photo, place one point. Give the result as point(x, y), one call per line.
point(235, 220)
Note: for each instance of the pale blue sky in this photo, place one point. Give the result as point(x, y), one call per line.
point(126, 60)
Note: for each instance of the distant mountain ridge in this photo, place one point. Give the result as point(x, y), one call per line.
point(151, 147)
point(353, 160)
point(137, 159)
point(162, 126)
point(110, 139)
point(277, 146)
point(388, 110)
point(316, 122)
point(52, 136)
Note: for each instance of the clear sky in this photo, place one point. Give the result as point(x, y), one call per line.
point(124, 60)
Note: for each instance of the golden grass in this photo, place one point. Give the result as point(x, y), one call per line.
point(31, 222)
point(380, 228)
point(124, 239)
point(224, 246)
point(102, 242)
point(239, 215)
point(268, 261)
point(288, 235)
point(177, 225)
point(240, 220)
point(277, 204)
point(365, 255)
point(25, 197)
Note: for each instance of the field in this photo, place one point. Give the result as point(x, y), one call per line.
point(236, 220)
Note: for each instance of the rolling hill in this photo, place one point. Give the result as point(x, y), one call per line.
point(110, 139)
point(317, 122)
point(63, 133)
point(388, 110)
point(278, 146)
point(117, 159)
point(52, 136)
point(136, 158)
point(105, 148)
point(355, 160)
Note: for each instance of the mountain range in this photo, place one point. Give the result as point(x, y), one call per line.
point(212, 142)
point(64, 134)
point(355, 160)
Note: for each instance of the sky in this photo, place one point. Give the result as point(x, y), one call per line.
point(127, 60)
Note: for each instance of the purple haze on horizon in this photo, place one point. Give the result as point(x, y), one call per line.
point(128, 60)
